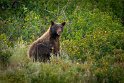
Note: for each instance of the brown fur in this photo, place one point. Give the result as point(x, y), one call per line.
point(48, 43)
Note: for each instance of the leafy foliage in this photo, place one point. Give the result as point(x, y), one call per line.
point(92, 43)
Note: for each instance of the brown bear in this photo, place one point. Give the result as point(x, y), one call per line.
point(48, 43)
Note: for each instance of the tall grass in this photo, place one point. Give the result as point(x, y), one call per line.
point(60, 69)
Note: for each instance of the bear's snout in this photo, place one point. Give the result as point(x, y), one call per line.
point(59, 31)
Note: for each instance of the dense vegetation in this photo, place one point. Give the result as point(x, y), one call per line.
point(92, 44)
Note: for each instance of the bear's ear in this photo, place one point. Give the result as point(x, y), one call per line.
point(52, 23)
point(63, 23)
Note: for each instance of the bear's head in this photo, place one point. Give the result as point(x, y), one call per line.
point(56, 29)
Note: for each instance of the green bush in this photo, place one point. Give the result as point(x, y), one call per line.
point(63, 70)
point(92, 43)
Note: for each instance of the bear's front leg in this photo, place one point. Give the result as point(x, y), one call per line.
point(55, 50)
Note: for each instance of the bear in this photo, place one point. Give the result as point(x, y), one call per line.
point(48, 43)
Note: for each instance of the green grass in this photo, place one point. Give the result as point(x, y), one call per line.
point(60, 69)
